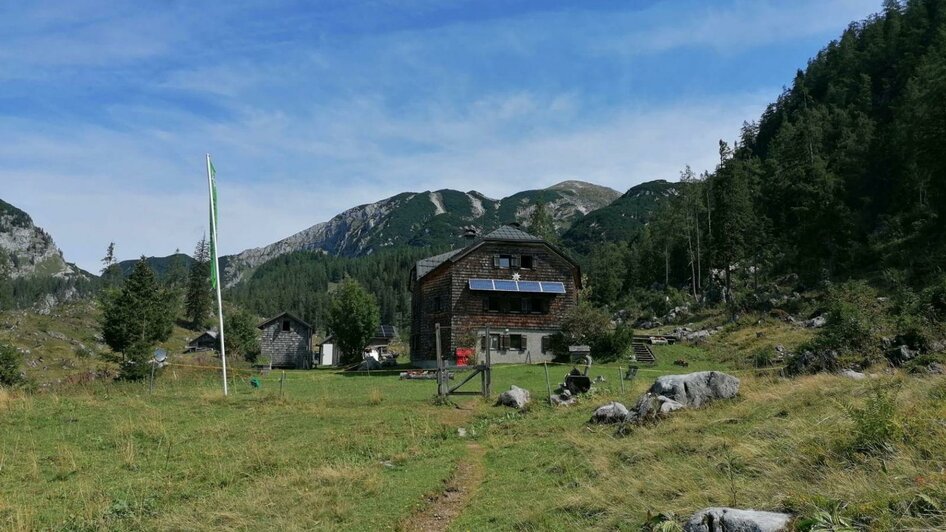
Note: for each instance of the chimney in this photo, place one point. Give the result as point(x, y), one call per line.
point(469, 232)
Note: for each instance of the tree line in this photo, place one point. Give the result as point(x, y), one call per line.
point(844, 176)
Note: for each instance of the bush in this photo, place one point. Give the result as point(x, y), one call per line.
point(11, 373)
point(875, 425)
point(855, 324)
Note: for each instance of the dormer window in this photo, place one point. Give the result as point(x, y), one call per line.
point(286, 327)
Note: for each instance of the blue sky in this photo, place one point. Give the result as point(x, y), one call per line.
point(312, 107)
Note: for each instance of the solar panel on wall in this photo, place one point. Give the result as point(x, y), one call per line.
point(504, 285)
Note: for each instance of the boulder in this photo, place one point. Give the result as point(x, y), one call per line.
point(735, 520)
point(515, 397)
point(650, 407)
point(564, 397)
point(610, 413)
point(851, 374)
point(816, 323)
point(936, 368)
point(696, 389)
point(901, 354)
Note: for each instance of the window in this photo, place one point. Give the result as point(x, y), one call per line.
point(517, 342)
point(494, 342)
point(286, 327)
point(507, 304)
point(502, 261)
point(526, 262)
point(438, 304)
point(546, 344)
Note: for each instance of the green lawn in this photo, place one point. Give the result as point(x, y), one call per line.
point(364, 452)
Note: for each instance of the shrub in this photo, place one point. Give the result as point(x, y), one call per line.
point(11, 373)
point(876, 429)
point(762, 359)
point(855, 323)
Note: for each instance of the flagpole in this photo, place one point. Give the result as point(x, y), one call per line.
point(214, 247)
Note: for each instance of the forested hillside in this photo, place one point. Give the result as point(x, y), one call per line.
point(301, 282)
point(843, 176)
point(620, 221)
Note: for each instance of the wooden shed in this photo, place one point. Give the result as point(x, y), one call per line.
point(286, 341)
point(205, 342)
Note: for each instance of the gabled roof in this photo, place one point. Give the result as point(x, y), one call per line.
point(212, 334)
point(514, 234)
point(283, 315)
point(505, 233)
point(425, 266)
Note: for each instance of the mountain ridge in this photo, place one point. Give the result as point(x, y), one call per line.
point(427, 218)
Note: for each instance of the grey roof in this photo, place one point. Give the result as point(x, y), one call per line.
point(386, 331)
point(212, 334)
point(286, 314)
point(505, 233)
point(425, 266)
point(508, 232)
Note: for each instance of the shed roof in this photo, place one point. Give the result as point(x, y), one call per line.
point(212, 334)
point(283, 315)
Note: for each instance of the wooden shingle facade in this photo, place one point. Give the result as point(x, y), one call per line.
point(286, 341)
point(515, 284)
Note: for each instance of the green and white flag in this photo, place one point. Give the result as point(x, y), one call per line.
point(214, 220)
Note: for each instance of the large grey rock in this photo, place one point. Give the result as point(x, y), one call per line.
point(563, 398)
point(515, 397)
point(816, 323)
point(696, 389)
point(650, 407)
point(851, 374)
point(610, 413)
point(735, 520)
point(901, 354)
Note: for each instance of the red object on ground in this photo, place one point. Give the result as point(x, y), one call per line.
point(464, 354)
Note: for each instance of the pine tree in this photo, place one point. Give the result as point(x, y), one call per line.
point(541, 223)
point(199, 299)
point(134, 318)
point(111, 272)
point(353, 318)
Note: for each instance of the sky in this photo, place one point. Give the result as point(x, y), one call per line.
point(312, 107)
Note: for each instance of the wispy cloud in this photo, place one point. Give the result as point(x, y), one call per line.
point(310, 111)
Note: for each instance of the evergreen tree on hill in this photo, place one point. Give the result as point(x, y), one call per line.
point(198, 300)
point(134, 319)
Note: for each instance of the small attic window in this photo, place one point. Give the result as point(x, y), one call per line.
point(285, 326)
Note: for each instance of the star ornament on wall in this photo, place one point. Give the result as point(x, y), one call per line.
point(515, 276)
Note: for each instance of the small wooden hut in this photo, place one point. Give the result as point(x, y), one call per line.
point(286, 341)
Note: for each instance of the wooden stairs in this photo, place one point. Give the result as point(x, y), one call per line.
point(643, 353)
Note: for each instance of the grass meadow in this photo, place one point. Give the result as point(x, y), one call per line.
point(359, 452)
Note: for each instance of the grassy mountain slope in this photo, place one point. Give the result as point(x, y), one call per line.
point(425, 219)
point(621, 220)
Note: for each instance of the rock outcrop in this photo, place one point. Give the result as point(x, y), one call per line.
point(696, 389)
point(735, 520)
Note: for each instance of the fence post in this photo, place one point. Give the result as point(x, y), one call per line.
point(621, 377)
point(548, 385)
point(282, 380)
point(151, 383)
point(489, 365)
point(440, 375)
